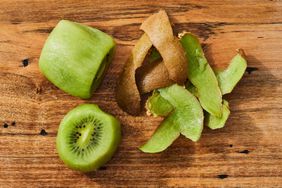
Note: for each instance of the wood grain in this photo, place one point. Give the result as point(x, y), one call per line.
point(246, 153)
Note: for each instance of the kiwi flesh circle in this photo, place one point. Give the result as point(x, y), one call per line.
point(87, 138)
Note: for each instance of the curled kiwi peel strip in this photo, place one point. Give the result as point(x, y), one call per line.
point(156, 105)
point(189, 111)
point(75, 57)
point(164, 136)
point(229, 77)
point(159, 30)
point(152, 76)
point(127, 93)
point(173, 67)
point(185, 116)
point(201, 75)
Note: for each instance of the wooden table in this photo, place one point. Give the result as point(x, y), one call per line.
point(246, 153)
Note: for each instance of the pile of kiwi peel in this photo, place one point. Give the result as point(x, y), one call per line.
point(204, 83)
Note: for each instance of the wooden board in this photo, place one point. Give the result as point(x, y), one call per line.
point(246, 153)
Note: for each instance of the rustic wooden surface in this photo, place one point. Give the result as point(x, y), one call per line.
point(246, 153)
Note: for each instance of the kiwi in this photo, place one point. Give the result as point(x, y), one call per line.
point(75, 58)
point(87, 138)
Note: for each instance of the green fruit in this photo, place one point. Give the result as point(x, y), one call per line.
point(214, 122)
point(87, 138)
point(75, 57)
point(201, 75)
point(229, 77)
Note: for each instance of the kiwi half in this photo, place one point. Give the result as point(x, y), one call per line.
point(75, 57)
point(87, 138)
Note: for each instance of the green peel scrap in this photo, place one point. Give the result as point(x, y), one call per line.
point(227, 80)
point(186, 118)
point(164, 136)
point(201, 75)
point(229, 77)
point(188, 109)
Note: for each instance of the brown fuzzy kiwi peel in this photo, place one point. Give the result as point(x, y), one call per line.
point(159, 30)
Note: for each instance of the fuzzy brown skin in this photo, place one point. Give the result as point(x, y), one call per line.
point(159, 30)
point(153, 76)
point(173, 68)
point(127, 94)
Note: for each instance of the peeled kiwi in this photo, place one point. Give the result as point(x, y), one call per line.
point(87, 138)
point(75, 58)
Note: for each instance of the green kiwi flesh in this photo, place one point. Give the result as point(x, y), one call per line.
point(75, 56)
point(87, 138)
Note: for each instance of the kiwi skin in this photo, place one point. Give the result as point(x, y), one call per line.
point(103, 153)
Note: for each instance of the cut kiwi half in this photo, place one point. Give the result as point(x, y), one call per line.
point(75, 57)
point(87, 138)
